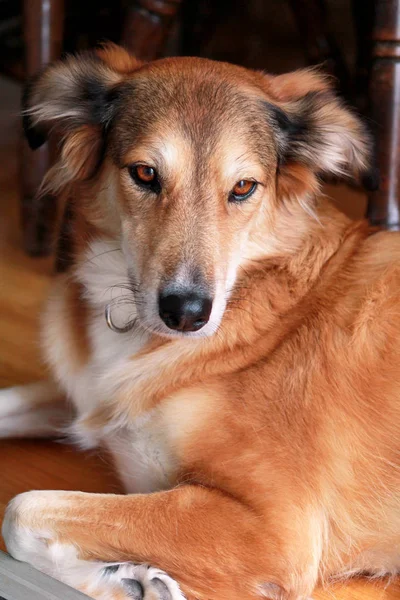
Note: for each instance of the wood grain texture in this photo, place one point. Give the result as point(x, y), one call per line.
point(27, 465)
point(147, 24)
point(43, 34)
point(384, 204)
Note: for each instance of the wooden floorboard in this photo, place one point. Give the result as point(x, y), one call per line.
point(27, 465)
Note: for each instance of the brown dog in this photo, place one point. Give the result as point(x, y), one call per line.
point(232, 340)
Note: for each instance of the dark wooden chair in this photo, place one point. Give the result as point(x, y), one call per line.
point(375, 87)
point(43, 36)
point(384, 204)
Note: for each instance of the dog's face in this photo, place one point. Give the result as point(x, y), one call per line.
point(193, 159)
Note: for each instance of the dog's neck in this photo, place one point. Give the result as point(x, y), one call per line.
point(271, 299)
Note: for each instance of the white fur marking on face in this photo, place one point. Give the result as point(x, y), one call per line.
point(168, 154)
point(169, 150)
point(238, 162)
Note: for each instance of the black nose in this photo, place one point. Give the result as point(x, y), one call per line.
point(184, 312)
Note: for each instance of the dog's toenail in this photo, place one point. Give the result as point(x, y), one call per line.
point(134, 589)
point(162, 589)
point(110, 570)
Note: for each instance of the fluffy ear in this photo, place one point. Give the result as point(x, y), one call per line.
point(76, 99)
point(316, 133)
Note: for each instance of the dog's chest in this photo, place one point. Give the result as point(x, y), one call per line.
point(142, 455)
point(104, 277)
point(139, 448)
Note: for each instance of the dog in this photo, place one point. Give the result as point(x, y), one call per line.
point(224, 332)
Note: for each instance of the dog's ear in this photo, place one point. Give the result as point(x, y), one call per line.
point(76, 99)
point(315, 133)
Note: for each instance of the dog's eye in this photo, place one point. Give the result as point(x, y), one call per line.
point(146, 177)
point(242, 190)
point(145, 174)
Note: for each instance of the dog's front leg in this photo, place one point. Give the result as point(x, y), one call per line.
point(213, 545)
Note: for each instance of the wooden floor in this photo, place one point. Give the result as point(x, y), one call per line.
point(27, 465)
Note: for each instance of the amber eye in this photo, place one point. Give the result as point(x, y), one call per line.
point(242, 190)
point(145, 173)
point(146, 177)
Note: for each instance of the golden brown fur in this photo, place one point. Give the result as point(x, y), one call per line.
point(284, 424)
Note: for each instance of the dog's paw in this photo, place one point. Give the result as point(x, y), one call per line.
point(30, 537)
point(10, 412)
point(141, 582)
point(26, 532)
point(32, 411)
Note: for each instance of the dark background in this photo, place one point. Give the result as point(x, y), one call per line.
point(256, 33)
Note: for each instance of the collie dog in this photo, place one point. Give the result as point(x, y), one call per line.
point(228, 336)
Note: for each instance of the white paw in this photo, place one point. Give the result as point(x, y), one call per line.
point(30, 538)
point(32, 411)
point(26, 537)
point(10, 410)
point(11, 402)
point(141, 582)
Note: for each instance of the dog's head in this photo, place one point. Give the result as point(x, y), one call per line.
point(193, 161)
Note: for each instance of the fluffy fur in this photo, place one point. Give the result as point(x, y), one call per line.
point(261, 454)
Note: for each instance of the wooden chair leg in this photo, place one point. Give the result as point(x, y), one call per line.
point(43, 28)
point(363, 12)
point(147, 25)
point(384, 204)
